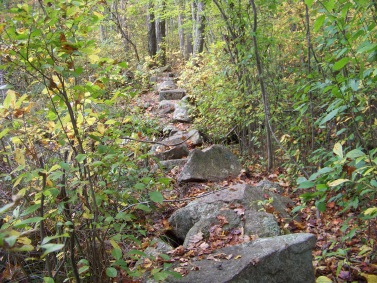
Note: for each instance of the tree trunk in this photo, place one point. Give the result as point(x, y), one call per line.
point(263, 90)
point(181, 31)
point(198, 26)
point(152, 40)
point(161, 36)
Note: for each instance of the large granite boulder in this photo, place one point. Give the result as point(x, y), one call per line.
point(282, 259)
point(243, 201)
point(211, 164)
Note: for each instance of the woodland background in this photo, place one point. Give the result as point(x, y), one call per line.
point(292, 83)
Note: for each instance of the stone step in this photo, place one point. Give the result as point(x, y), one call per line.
point(171, 94)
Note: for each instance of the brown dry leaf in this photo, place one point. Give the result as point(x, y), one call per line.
point(204, 246)
point(240, 211)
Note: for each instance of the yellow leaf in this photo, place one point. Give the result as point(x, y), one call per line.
point(18, 180)
point(49, 183)
point(337, 182)
point(101, 128)
point(371, 210)
point(323, 279)
point(19, 156)
point(114, 244)
point(93, 58)
point(338, 150)
point(91, 120)
point(24, 240)
point(10, 99)
point(371, 278)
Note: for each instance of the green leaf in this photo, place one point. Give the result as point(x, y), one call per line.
point(156, 197)
point(48, 280)
point(48, 239)
point(329, 116)
point(306, 185)
point(337, 182)
point(309, 2)
point(355, 154)
point(111, 272)
point(6, 207)
point(321, 206)
point(329, 5)
point(143, 207)
point(50, 248)
point(116, 253)
point(4, 132)
point(80, 157)
point(23, 223)
point(341, 63)
point(338, 149)
point(319, 22)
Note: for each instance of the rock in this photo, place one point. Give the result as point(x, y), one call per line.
point(176, 152)
point(236, 198)
point(166, 106)
point(205, 223)
point(186, 222)
point(250, 197)
point(211, 164)
point(171, 94)
point(169, 130)
point(271, 186)
point(282, 259)
point(153, 79)
point(170, 164)
point(191, 137)
point(182, 220)
point(181, 113)
point(260, 224)
point(166, 85)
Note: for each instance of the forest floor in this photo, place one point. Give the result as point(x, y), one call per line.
point(335, 258)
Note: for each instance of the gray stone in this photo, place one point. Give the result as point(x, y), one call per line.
point(191, 137)
point(181, 113)
point(282, 259)
point(170, 164)
point(182, 220)
point(166, 106)
point(211, 164)
point(271, 186)
point(205, 223)
point(169, 130)
point(251, 198)
point(260, 224)
point(171, 94)
point(176, 152)
point(166, 85)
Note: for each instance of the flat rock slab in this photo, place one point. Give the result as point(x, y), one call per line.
point(214, 163)
point(171, 94)
point(166, 85)
point(282, 259)
point(176, 152)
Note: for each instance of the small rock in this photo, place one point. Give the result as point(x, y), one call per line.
point(181, 113)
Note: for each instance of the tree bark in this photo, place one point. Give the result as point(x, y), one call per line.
point(198, 26)
point(161, 36)
point(266, 105)
point(152, 41)
point(181, 31)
